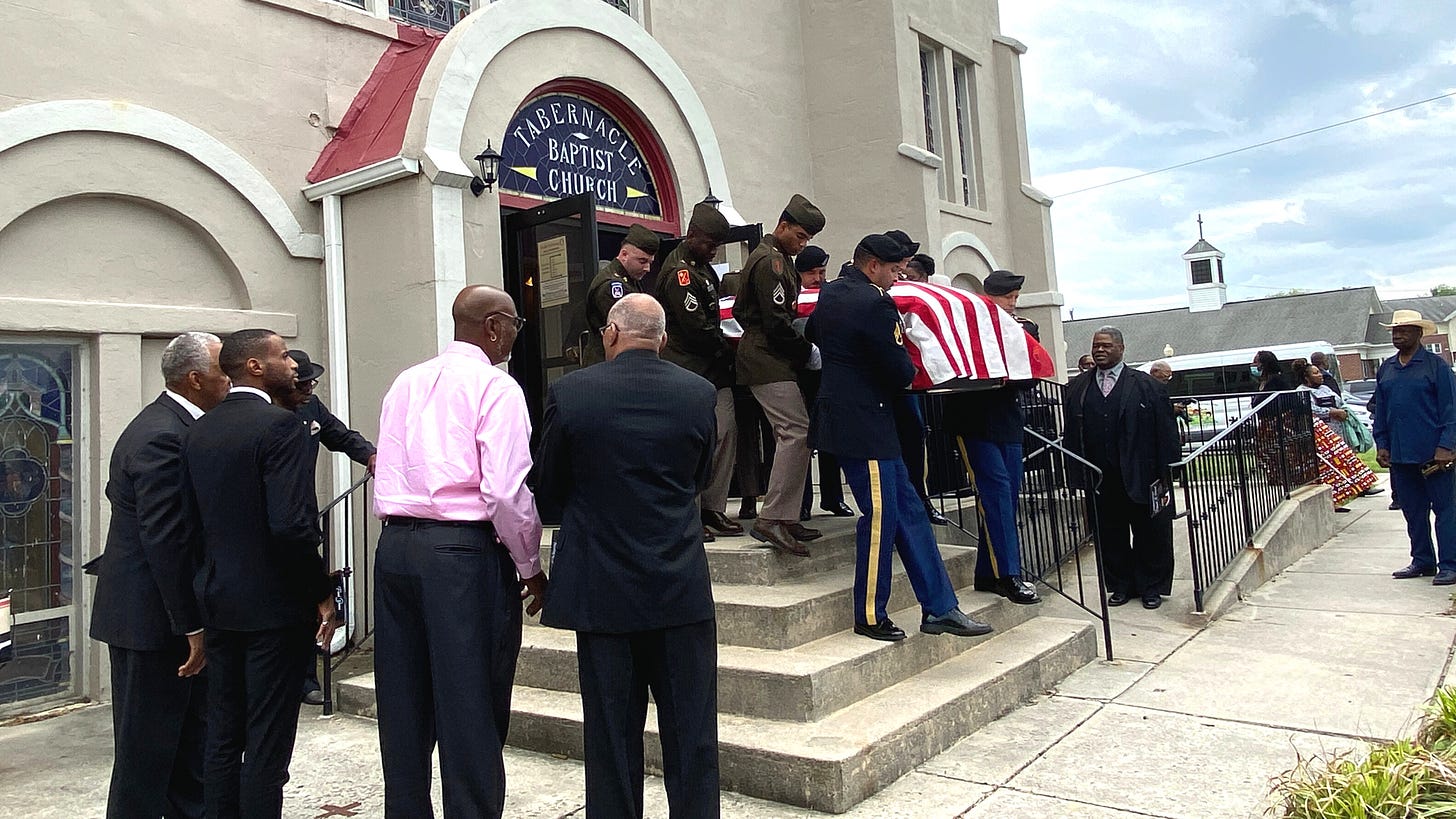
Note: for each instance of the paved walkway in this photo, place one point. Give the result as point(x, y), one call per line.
point(1188, 722)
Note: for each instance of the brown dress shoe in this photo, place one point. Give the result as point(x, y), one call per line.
point(708, 536)
point(803, 533)
point(721, 523)
point(776, 534)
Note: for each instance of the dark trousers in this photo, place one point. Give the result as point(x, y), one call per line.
point(252, 717)
point(679, 666)
point(1137, 548)
point(447, 633)
point(892, 518)
point(995, 471)
point(910, 428)
point(1419, 498)
point(159, 722)
point(831, 488)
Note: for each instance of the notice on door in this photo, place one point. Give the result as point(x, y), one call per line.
point(551, 258)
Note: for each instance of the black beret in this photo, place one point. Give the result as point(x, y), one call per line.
point(802, 212)
point(904, 238)
point(882, 247)
point(642, 239)
point(1001, 282)
point(810, 257)
point(710, 222)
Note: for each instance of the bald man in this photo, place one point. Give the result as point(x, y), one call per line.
point(630, 574)
point(459, 551)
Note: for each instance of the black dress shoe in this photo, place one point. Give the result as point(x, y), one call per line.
point(883, 630)
point(954, 622)
point(1413, 571)
point(1371, 492)
point(708, 536)
point(720, 523)
point(1394, 505)
point(839, 510)
point(936, 518)
point(1342, 508)
point(803, 533)
point(1116, 599)
point(1018, 591)
point(748, 510)
point(1152, 601)
point(1444, 578)
point(776, 534)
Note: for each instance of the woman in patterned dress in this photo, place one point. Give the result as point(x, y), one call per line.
point(1339, 467)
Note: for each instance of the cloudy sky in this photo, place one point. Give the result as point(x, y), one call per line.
point(1120, 87)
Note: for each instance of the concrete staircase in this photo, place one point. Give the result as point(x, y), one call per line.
point(810, 713)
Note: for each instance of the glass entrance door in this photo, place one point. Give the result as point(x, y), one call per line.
point(37, 548)
point(551, 257)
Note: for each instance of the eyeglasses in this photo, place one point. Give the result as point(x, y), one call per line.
point(517, 320)
point(601, 331)
point(308, 384)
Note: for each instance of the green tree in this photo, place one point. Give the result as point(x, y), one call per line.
point(1443, 290)
point(1293, 291)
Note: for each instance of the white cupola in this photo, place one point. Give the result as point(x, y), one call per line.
point(1204, 274)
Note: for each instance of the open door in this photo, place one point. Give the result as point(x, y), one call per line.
point(551, 257)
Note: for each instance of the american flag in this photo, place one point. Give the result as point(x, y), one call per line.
point(950, 334)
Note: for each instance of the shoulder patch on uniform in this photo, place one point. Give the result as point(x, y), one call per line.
point(778, 265)
point(778, 293)
point(617, 291)
point(690, 302)
point(899, 336)
point(683, 277)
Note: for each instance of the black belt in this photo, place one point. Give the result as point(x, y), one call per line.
point(420, 523)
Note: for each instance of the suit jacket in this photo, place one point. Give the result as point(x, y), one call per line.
point(249, 468)
point(332, 433)
point(144, 597)
point(1146, 431)
point(866, 369)
point(626, 446)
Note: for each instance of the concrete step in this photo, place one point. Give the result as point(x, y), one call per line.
point(794, 612)
point(743, 560)
point(802, 684)
point(845, 757)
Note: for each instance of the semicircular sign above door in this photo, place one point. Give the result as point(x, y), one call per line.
point(561, 145)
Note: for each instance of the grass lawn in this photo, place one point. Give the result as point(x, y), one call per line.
point(1369, 458)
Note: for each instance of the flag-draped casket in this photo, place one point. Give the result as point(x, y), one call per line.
point(952, 336)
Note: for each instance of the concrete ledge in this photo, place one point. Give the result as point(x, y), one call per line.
point(1297, 526)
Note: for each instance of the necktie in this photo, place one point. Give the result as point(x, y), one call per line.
point(1108, 379)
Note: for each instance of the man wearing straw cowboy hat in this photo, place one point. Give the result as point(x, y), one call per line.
point(1415, 436)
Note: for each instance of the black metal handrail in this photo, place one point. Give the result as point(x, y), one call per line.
point(1056, 523)
point(343, 578)
point(1233, 481)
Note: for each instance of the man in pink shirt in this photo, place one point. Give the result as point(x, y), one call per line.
point(459, 552)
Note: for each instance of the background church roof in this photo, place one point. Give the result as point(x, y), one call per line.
point(1202, 247)
point(1336, 316)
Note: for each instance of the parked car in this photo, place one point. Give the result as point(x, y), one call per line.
point(1359, 392)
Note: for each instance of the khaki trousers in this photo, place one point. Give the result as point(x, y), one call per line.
point(783, 405)
point(714, 497)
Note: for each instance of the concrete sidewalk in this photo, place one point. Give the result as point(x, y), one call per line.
point(1188, 722)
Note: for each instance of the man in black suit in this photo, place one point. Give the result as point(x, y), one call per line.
point(144, 607)
point(626, 447)
point(323, 428)
point(1120, 419)
point(262, 586)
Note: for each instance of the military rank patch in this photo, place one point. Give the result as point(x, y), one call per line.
point(683, 277)
point(617, 291)
point(690, 302)
point(778, 293)
point(899, 336)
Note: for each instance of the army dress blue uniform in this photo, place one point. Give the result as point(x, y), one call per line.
point(857, 328)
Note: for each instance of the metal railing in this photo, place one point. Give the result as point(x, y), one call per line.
point(346, 585)
point(1056, 523)
point(1245, 453)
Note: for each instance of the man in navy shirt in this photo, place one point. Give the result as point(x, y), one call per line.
point(1415, 426)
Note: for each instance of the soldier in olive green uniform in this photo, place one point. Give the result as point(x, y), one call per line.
point(688, 288)
point(770, 356)
point(621, 276)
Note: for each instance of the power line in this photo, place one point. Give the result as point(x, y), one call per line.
point(1259, 145)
